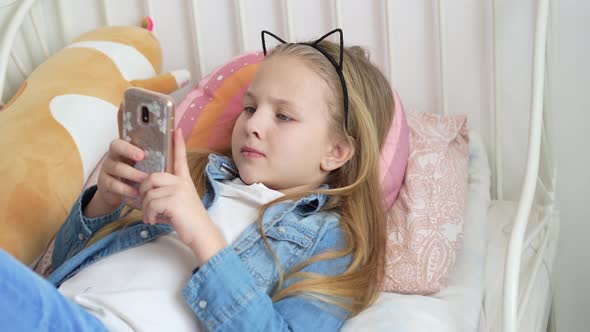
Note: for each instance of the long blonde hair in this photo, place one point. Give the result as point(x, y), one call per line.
point(356, 196)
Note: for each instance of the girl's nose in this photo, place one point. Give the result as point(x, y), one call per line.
point(256, 124)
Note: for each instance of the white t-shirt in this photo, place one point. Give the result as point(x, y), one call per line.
point(134, 289)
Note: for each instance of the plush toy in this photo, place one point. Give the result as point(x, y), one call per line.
point(59, 124)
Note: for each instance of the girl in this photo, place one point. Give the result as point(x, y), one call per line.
point(287, 234)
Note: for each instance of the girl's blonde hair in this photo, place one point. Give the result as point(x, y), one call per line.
point(356, 196)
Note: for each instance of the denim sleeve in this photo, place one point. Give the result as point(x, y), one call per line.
point(77, 229)
point(223, 294)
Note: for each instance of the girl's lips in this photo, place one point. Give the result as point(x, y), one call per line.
point(251, 153)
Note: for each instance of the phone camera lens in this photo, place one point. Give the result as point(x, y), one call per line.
point(145, 114)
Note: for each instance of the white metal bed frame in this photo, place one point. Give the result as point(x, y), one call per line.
point(538, 189)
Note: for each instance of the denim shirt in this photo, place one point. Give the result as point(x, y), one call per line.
point(230, 292)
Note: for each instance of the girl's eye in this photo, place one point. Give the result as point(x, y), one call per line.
point(249, 109)
point(283, 117)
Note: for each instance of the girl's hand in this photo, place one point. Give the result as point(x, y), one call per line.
point(117, 176)
point(173, 199)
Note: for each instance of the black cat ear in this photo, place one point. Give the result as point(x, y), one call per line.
point(264, 32)
point(338, 30)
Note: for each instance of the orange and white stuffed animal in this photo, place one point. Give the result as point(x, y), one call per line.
point(57, 127)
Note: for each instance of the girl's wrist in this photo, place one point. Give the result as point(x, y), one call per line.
point(207, 246)
point(203, 254)
point(98, 207)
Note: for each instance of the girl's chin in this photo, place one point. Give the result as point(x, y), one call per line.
point(249, 178)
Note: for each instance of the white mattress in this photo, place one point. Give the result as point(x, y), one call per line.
point(458, 306)
point(537, 311)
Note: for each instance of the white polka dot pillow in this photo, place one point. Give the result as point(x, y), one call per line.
point(208, 113)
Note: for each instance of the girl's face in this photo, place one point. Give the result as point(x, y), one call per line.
point(282, 138)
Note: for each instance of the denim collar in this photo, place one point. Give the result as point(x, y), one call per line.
point(222, 168)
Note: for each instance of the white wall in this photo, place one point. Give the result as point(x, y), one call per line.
point(572, 106)
point(415, 73)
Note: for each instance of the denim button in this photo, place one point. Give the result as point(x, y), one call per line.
point(144, 234)
point(281, 229)
point(202, 304)
point(80, 236)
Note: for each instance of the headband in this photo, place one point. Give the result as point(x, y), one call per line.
point(337, 65)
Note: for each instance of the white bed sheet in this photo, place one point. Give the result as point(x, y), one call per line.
point(537, 312)
point(457, 307)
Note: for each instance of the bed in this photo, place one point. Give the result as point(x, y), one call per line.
point(471, 300)
point(502, 280)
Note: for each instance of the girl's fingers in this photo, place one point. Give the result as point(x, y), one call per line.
point(123, 149)
point(155, 180)
point(115, 186)
point(133, 202)
point(155, 210)
point(158, 193)
point(180, 163)
point(127, 172)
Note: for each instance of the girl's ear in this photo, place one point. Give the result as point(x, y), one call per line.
point(339, 152)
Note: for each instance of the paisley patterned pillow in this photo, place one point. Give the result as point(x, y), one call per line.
point(425, 224)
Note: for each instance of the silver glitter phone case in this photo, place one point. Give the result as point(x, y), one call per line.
point(146, 120)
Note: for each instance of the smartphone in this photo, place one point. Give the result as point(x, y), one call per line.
point(146, 120)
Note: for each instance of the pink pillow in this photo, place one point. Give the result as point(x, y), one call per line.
point(209, 111)
point(425, 224)
point(394, 154)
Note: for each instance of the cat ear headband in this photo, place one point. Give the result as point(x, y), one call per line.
point(337, 65)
